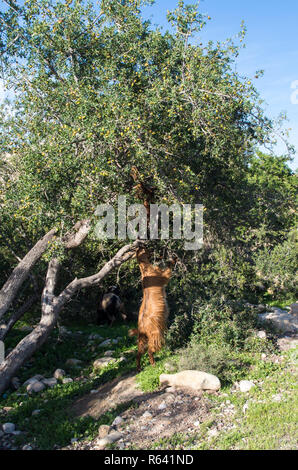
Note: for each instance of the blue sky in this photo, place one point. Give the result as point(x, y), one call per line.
point(271, 44)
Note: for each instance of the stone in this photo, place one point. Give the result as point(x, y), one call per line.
point(35, 387)
point(35, 378)
point(193, 379)
point(27, 447)
point(50, 382)
point(245, 385)
point(35, 412)
point(286, 343)
point(59, 374)
point(147, 415)
point(103, 430)
point(103, 362)
point(67, 380)
point(8, 428)
point(109, 439)
point(261, 334)
point(73, 362)
point(109, 353)
point(294, 309)
point(281, 319)
point(105, 343)
point(118, 420)
point(162, 406)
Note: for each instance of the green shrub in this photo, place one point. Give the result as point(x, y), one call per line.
point(278, 268)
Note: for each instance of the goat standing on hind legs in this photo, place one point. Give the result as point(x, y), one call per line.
point(154, 312)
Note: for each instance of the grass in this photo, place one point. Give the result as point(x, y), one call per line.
point(266, 424)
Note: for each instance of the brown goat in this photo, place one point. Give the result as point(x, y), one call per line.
point(154, 310)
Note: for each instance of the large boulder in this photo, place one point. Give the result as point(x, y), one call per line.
point(294, 309)
point(193, 379)
point(281, 319)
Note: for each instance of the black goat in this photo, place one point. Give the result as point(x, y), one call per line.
point(111, 307)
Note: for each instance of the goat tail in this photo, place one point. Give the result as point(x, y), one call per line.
point(133, 332)
point(156, 341)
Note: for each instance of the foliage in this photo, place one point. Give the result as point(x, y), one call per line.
point(277, 268)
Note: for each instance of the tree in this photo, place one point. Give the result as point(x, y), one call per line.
point(97, 92)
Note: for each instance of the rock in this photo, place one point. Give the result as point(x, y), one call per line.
point(35, 387)
point(147, 415)
point(27, 447)
point(35, 412)
point(281, 319)
point(67, 380)
point(8, 428)
point(118, 420)
point(103, 430)
point(261, 334)
point(162, 406)
point(103, 362)
point(73, 440)
point(105, 343)
point(196, 424)
point(286, 343)
point(245, 385)
point(109, 353)
point(50, 382)
point(109, 439)
point(115, 341)
point(193, 379)
point(35, 378)
point(294, 309)
point(59, 374)
point(73, 362)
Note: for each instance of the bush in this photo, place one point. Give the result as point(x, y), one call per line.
point(278, 268)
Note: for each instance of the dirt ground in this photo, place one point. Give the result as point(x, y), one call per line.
point(169, 411)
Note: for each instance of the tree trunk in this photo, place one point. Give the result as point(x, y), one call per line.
point(51, 307)
point(22, 271)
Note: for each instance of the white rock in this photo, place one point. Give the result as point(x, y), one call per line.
point(245, 385)
point(194, 379)
point(103, 362)
point(67, 380)
point(196, 424)
point(245, 407)
point(147, 414)
point(261, 334)
point(59, 373)
point(27, 447)
point(50, 382)
point(35, 412)
point(35, 378)
point(8, 428)
point(118, 420)
point(35, 387)
point(162, 406)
